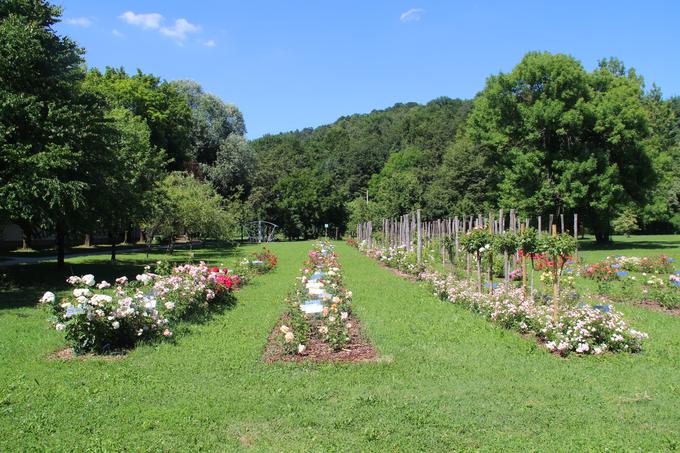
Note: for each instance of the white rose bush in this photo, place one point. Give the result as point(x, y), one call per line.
point(103, 318)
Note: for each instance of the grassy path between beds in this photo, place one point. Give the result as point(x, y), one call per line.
point(447, 380)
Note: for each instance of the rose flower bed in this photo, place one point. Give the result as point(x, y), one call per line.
point(319, 323)
point(563, 328)
point(102, 318)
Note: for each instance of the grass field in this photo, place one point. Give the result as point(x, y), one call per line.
point(638, 245)
point(447, 379)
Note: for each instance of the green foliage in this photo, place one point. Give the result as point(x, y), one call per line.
point(184, 205)
point(52, 132)
point(505, 242)
point(351, 150)
point(626, 222)
point(476, 241)
point(565, 138)
point(305, 201)
point(561, 246)
point(160, 104)
point(527, 241)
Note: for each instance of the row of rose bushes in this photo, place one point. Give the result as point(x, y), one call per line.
point(103, 317)
point(579, 329)
point(321, 281)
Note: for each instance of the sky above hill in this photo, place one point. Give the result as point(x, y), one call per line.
point(294, 64)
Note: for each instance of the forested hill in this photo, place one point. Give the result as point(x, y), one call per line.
point(306, 178)
point(547, 138)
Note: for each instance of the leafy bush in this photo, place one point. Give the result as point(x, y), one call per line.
point(101, 318)
point(94, 320)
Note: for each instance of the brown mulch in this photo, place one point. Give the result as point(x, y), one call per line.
point(359, 348)
point(655, 306)
point(67, 354)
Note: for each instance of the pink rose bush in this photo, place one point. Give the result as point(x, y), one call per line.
point(104, 317)
point(574, 329)
point(578, 329)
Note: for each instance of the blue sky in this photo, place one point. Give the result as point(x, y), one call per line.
point(294, 64)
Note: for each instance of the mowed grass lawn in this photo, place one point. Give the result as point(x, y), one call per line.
point(447, 380)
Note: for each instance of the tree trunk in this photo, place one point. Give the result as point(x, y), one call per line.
point(142, 239)
point(125, 236)
point(26, 239)
point(479, 273)
point(88, 240)
point(61, 244)
point(113, 252)
point(602, 238)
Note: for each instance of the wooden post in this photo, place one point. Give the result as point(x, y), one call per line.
point(556, 289)
point(524, 266)
point(576, 237)
point(420, 238)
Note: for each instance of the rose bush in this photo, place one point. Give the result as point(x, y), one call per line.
point(322, 280)
point(103, 318)
point(576, 329)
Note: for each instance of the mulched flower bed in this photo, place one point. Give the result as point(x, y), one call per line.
point(655, 306)
point(359, 348)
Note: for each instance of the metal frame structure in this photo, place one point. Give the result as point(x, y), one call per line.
point(260, 231)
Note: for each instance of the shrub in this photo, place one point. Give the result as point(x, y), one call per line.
point(94, 320)
point(101, 318)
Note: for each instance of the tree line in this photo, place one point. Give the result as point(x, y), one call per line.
point(85, 150)
point(549, 137)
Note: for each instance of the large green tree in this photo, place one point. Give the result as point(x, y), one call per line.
point(51, 130)
point(564, 139)
point(160, 104)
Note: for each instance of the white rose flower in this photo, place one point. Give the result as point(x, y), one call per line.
point(344, 315)
point(284, 329)
point(103, 285)
point(169, 305)
point(289, 337)
point(101, 299)
point(88, 279)
point(301, 348)
point(48, 298)
point(59, 326)
point(115, 324)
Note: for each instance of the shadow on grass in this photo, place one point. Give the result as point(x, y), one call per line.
point(23, 284)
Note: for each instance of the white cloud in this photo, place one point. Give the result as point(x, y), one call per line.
point(154, 21)
point(78, 21)
point(180, 29)
point(210, 43)
point(411, 14)
point(150, 20)
point(117, 34)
